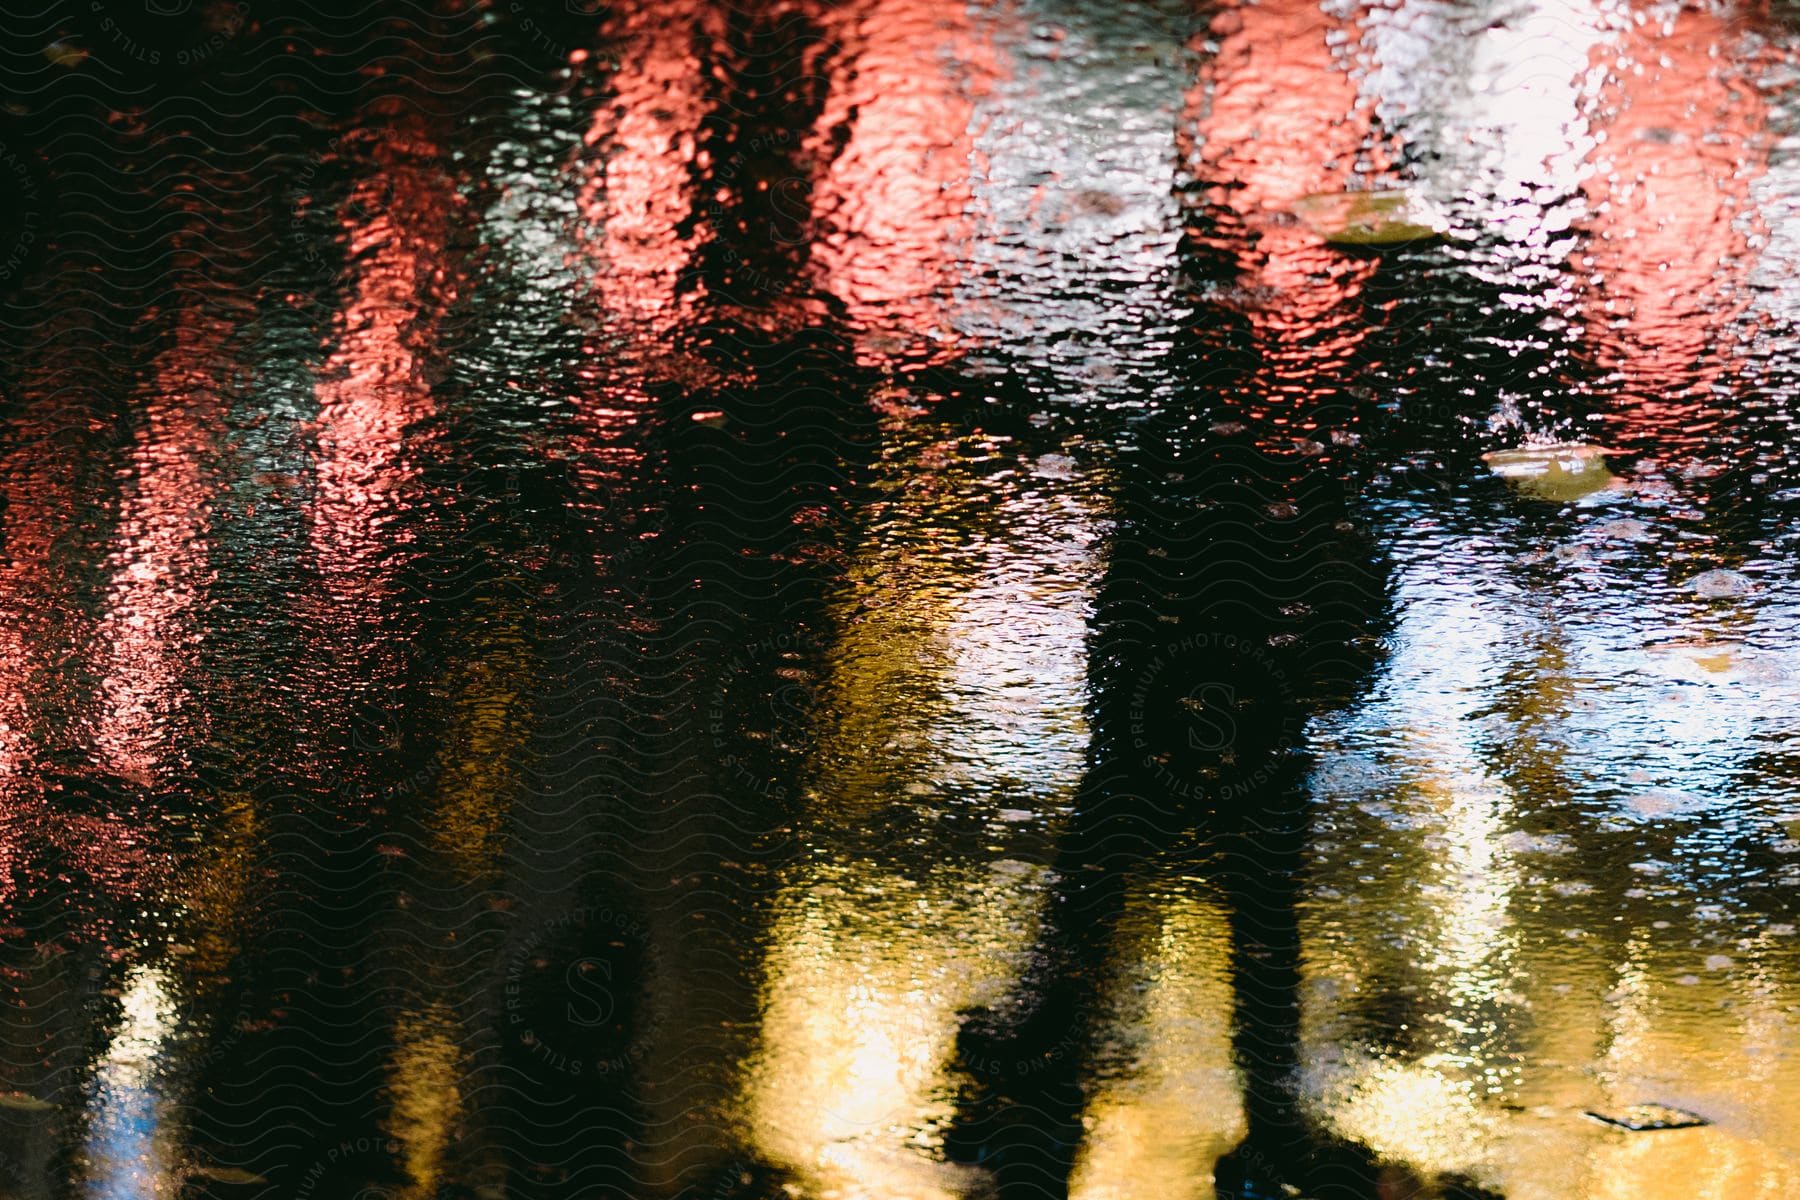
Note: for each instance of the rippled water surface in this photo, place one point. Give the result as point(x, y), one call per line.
point(897, 600)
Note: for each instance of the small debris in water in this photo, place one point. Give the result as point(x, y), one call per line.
point(1625, 529)
point(1664, 802)
point(65, 54)
point(1520, 842)
point(1642, 1117)
point(1718, 585)
point(1557, 471)
point(227, 1175)
point(1713, 657)
point(1384, 218)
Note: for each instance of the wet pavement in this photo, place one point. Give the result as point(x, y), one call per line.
point(900, 600)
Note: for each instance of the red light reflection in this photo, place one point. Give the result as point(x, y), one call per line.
point(891, 205)
point(375, 388)
point(160, 568)
point(1661, 274)
point(1274, 117)
point(636, 190)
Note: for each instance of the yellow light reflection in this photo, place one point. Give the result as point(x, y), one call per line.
point(214, 895)
point(423, 1086)
point(488, 729)
point(1455, 880)
point(851, 1088)
point(1158, 1126)
point(879, 946)
point(1533, 956)
point(1708, 1043)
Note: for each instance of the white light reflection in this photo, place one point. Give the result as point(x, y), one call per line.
point(1538, 861)
point(128, 1152)
point(1457, 888)
point(1494, 105)
point(1075, 227)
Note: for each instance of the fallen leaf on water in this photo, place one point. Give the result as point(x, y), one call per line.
point(1625, 529)
point(1664, 802)
point(1640, 1117)
point(1386, 218)
point(24, 1102)
point(1557, 471)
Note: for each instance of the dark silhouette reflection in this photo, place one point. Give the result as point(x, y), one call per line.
point(333, 1030)
point(708, 469)
point(1235, 600)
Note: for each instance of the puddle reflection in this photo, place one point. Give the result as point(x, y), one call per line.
point(1097, 597)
